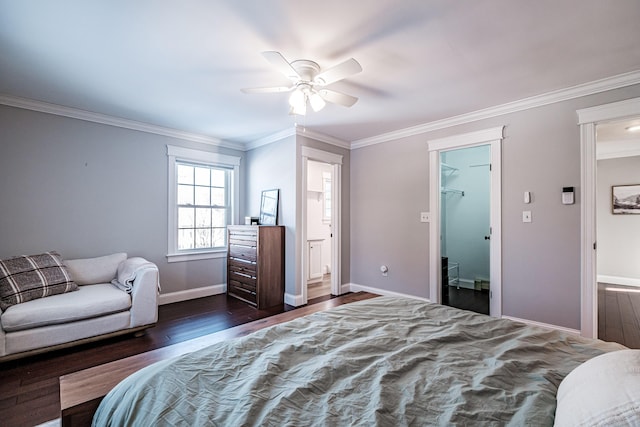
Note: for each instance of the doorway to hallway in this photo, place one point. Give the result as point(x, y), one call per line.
point(319, 228)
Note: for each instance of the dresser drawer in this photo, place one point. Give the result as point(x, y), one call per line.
point(243, 278)
point(242, 291)
point(242, 239)
point(243, 267)
point(247, 253)
point(242, 236)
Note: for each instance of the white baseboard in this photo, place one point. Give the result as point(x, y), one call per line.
point(353, 287)
point(294, 300)
point(187, 294)
point(544, 325)
point(616, 280)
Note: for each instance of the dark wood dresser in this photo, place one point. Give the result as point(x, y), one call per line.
point(255, 264)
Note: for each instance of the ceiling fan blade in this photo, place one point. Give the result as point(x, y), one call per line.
point(339, 72)
point(266, 89)
point(277, 60)
point(337, 97)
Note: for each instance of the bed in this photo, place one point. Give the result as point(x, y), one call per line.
point(383, 361)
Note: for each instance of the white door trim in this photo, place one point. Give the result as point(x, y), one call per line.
point(588, 118)
point(308, 153)
point(492, 137)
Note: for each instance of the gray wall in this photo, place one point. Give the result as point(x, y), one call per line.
point(273, 166)
point(541, 260)
point(618, 235)
point(86, 189)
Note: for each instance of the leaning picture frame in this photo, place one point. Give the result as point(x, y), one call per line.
point(625, 199)
point(269, 207)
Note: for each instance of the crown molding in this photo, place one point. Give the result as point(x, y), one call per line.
point(597, 86)
point(76, 113)
point(285, 133)
point(298, 131)
point(302, 131)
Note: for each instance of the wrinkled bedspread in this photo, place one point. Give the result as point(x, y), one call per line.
point(385, 361)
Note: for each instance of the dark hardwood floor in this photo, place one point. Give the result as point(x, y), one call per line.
point(469, 299)
point(29, 388)
point(619, 314)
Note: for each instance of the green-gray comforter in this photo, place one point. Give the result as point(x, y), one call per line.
point(385, 361)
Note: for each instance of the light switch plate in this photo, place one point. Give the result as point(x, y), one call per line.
point(526, 216)
point(425, 217)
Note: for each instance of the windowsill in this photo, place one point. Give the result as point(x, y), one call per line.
point(196, 255)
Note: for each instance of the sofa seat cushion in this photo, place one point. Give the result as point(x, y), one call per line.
point(87, 302)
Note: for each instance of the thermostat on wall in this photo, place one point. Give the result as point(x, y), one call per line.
point(567, 196)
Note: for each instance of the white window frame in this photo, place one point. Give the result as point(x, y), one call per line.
point(181, 154)
point(326, 197)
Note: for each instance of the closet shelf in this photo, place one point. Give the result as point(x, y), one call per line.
point(445, 190)
point(446, 169)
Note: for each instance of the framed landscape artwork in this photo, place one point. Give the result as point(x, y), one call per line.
point(626, 199)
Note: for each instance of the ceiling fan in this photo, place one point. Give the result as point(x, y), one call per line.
point(309, 82)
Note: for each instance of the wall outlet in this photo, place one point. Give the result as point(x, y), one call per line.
point(526, 216)
point(384, 270)
point(425, 217)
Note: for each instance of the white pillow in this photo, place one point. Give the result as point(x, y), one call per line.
point(603, 391)
point(89, 271)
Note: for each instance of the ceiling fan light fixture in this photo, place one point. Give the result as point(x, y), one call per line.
point(316, 101)
point(298, 103)
point(297, 98)
point(308, 82)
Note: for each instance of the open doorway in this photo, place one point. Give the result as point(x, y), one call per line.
point(328, 256)
point(465, 226)
point(618, 230)
point(491, 138)
point(588, 118)
point(319, 229)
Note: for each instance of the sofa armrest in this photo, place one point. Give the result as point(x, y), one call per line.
point(144, 296)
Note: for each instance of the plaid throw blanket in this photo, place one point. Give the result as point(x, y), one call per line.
point(29, 277)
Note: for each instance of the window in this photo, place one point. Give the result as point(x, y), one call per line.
point(326, 205)
point(202, 202)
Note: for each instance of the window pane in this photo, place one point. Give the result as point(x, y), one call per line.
point(185, 239)
point(202, 196)
point(203, 217)
point(217, 197)
point(219, 237)
point(185, 174)
point(219, 217)
point(185, 195)
point(202, 176)
point(218, 178)
point(186, 217)
point(203, 238)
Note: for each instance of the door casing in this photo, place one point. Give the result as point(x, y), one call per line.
point(588, 118)
point(492, 137)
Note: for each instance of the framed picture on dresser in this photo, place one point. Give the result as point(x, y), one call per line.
point(269, 207)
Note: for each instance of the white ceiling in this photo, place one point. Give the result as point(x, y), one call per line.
point(181, 64)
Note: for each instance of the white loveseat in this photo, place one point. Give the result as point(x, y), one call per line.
point(97, 309)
